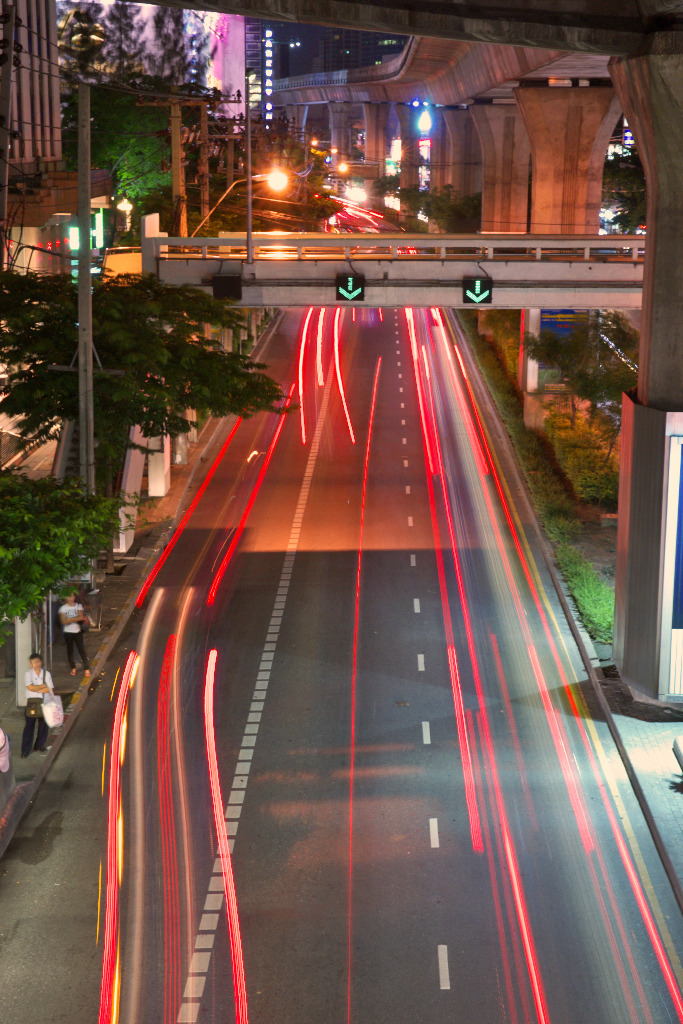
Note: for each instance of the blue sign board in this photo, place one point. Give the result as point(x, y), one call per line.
point(563, 321)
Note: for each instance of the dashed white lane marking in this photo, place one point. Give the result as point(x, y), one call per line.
point(434, 838)
point(403, 423)
point(400, 390)
point(199, 965)
point(410, 520)
point(420, 663)
point(426, 733)
point(400, 376)
point(444, 977)
point(412, 560)
point(398, 363)
point(405, 463)
point(403, 405)
point(405, 440)
point(407, 488)
point(416, 605)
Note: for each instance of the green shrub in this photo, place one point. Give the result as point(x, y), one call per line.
point(594, 597)
point(554, 503)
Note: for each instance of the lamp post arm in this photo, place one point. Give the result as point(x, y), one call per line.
point(237, 181)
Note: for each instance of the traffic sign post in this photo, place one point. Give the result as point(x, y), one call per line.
point(350, 287)
point(477, 291)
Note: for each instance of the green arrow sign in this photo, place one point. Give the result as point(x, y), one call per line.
point(476, 290)
point(350, 286)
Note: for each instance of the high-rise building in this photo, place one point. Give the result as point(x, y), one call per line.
point(342, 49)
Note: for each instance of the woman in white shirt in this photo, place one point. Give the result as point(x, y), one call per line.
point(38, 682)
point(71, 615)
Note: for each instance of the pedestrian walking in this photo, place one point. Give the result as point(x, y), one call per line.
point(73, 618)
point(38, 682)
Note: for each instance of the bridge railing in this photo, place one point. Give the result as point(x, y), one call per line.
point(384, 246)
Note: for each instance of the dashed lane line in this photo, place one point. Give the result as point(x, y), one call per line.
point(204, 941)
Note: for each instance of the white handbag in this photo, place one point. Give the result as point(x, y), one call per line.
point(53, 711)
point(4, 751)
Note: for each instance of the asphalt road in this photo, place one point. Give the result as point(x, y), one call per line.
point(426, 821)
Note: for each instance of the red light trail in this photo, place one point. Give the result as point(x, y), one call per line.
point(237, 957)
point(302, 348)
point(353, 682)
point(319, 349)
point(110, 960)
point(184, 521)
point(245, 515)
point(169, 858)
point(337, 370)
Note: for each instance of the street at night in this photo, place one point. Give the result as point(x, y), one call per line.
point(426, 821)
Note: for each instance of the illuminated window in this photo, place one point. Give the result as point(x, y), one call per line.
point(269, 34)
point(269, 117)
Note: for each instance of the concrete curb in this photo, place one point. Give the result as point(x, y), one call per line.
point(23, 794)
point(580, 637)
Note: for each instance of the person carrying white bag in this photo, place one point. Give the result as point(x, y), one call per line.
point(53, 710)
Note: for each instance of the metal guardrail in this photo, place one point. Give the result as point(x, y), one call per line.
point(405, 247)
point(13, 446)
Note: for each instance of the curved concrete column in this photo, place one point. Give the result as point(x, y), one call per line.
point(440, 152)
point(340, 129)
point(376, 117)
point(505, 166)
point(297, 114)
point(569, 131)
point(647, 626)
point(462, 167)
point(410, 140)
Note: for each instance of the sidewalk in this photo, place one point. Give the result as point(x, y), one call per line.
point(118, 593)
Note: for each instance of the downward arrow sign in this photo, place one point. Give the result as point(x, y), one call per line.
point(477, 298)
point(350, 295)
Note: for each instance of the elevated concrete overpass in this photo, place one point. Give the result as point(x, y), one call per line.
point(617, 28)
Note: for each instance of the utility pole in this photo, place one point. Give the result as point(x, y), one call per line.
point(204, 159)
point(86, 415)
point(7, 51)
point(177, 170)
point(247, 169)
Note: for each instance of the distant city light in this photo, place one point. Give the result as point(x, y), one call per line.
point(342, 167)
point(425, 121)
point(416, 103)
point(269, 34)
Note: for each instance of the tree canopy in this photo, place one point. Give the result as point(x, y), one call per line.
point(624, 190)
point(598, 362)
point(49, 533)
point(151, 332)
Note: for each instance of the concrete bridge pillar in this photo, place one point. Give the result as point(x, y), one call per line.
point(648, 626)
point(462, 163)
point(569, 131)
point(296, 115)
point(410, 141)
point(440, 153)
point(505, 170)
point(376, 117)
point(340, 130)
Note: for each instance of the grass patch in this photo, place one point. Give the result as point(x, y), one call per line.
point(552, 497)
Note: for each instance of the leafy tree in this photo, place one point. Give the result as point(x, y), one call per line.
point(124, 49)
point(598, 363)
point(170, 59)
point(154, 333)
point(454, 214)
point(625, 191)
point(49, 533)
point(128, 140)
